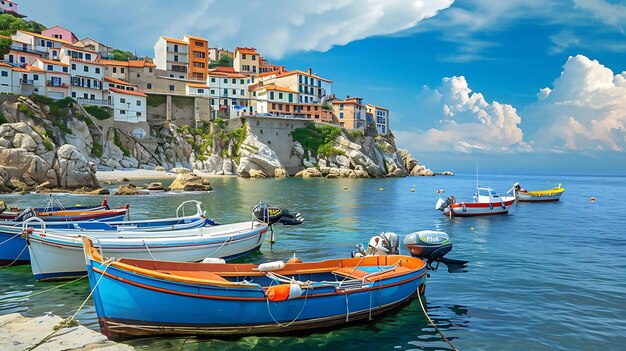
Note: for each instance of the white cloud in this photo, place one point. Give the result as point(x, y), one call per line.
point(275, 28)
point(611, 14)
point(466, 122)
point(585, 109)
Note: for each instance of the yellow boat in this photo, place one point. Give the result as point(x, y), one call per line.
point(524, 195)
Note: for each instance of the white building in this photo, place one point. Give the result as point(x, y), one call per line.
point(87, 73)
point(172, 57)
point(227, 89)
point(380, 117)
point(37, 44)
point(57, 78)
point(128, 106)
point(312, 89)
point(197, 89)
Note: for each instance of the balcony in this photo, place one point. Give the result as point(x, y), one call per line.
point(56, 85)
point(29, 49)
point(97, 62)
point(27, 81)
point(94, 102)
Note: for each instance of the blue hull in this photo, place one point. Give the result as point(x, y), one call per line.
point(129, 304)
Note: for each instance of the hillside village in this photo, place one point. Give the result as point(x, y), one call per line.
point(191, 105)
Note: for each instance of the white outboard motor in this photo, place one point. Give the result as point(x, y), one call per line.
point(382, 244)
point(443, 204)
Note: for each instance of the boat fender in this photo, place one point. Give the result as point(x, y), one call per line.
point(464, 208)
point(213, 260)
point(271, 266)
point(282, 292)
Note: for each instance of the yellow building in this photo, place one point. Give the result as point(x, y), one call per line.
point(246, 61)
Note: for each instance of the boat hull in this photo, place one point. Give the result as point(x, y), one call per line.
point(472, 209)
point(174, 308)
point(522, 197)
point(58, 257)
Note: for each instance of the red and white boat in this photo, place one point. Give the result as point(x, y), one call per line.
point(486, 202)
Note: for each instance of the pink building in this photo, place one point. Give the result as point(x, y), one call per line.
point(7, 6)
point(59, 32)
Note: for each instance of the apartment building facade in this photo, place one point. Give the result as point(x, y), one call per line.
point(380, 118)
point(350, 113)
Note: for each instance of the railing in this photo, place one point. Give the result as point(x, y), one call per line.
point(96, 61)
point(94, 102)
point(28, 48)
point(58, 85)
point(27, 81)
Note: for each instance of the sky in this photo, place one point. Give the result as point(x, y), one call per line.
point(519, 85)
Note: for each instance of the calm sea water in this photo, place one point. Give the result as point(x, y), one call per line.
point(544, 277)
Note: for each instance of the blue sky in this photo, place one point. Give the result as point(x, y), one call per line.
point(462, 79)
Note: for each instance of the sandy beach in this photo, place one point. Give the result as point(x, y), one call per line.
point(138, 174)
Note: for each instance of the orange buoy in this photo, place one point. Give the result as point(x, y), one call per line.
point(278, 292)
point(593, 199)
point(294, 260)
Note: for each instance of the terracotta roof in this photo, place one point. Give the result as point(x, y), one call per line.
point(225, 72)
point(130, 63)
point(195, 37)
point(177, 41)
point(194, 85)
point(276, 88)
point(4, 64)
point(19, 69)
point(33, 68)
point(244, 50)
point(304, 74)
point(223, 69)
point(5, 36)
point(377, 107)
point(88, 62)
point(46, 37)
point(51, 62)
point(129, 92)
point(118, 81)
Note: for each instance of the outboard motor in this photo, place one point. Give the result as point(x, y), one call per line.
point(271, 215)
point(443, 204)
point(433, 246)
point(382, 244)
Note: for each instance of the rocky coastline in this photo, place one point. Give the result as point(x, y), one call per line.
point(56, 146)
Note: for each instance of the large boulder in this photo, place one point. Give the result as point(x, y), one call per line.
point(127, 189)
point(256, 155)
point(190, 182)
point(309, 173)
point(254, 173)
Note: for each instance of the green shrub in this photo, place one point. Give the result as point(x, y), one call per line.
point(25, 110)
point(220, 123)
point(62, 126)
point(3, 119)
point(97, 149)
point(329, 150)
point(99, 112)
point(156, 100)
point(355, 134)
point(318, 140)
point(118, 143)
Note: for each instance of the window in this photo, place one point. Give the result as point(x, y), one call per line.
point(280, 96)
point(150, 70)
point(241, 92)
point(225, 81)
point(5, 73)
point(114, 69)
point(271, 95)
point(175, 49)
point(200, 91)
point(341, 124)
point(300, 79)
point(212, 80)
point(97, 70)
point(199, 43)
point(176, 58)
point(340, 114)
point(234, 81)
point(234, 91)
point(212, 91)
point(241, 81)
point(123, 101)
point(138, 114)
point(121, 69)
point(86, 68)
point(73, 66)
point(88, 57)
point(23, 59)
point(74, 94)
point(122, 112)
point(49, 68)
point(35, 77)
point(138, 102)
point(149, 85)
point(243, 56)
point(171, 88)
point(254, 69)
point(253, 57)
point(138, 75)
point(93, 97)
point(341, 106)
point(171, 76)
point(290, 97)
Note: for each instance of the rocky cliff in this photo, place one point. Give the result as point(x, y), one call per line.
point(61, 145)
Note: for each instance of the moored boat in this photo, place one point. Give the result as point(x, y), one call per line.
point(13, 248)
point(11, 213)
point(547, 195)
point(486, 202)
point(56, 256)
point(145, 297)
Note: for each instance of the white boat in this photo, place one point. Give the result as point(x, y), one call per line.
point(485, 202)
point(56, 256)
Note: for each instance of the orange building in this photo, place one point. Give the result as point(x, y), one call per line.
point(350, 113)
point(198, 57)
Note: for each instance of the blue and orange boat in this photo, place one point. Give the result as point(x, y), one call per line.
point(135, 297)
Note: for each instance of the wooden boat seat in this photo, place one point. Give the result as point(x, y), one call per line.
point(196, 275)
point(388, 274)
point(350, 272)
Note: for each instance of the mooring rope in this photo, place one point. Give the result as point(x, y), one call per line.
point(419, 297)
point(11, 238)
point(68, 322)
point(306, 294)
point(16, 258)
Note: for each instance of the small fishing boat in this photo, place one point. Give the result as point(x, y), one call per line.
point(13, 247)
point(57, 256)
point(524, 195)
point(11, 213)
point(486, 202)
point(145, 297)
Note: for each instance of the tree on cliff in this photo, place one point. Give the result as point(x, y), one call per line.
point(224, 61)
point(10, 24)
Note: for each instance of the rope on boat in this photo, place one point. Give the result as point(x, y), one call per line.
point(419, 297)
point(16, 258)
point(11, 238)
point(147, 248)
point(71, 322)
point(267, 299)
point(55, 287)
point(183, 344)
point(229, 240)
